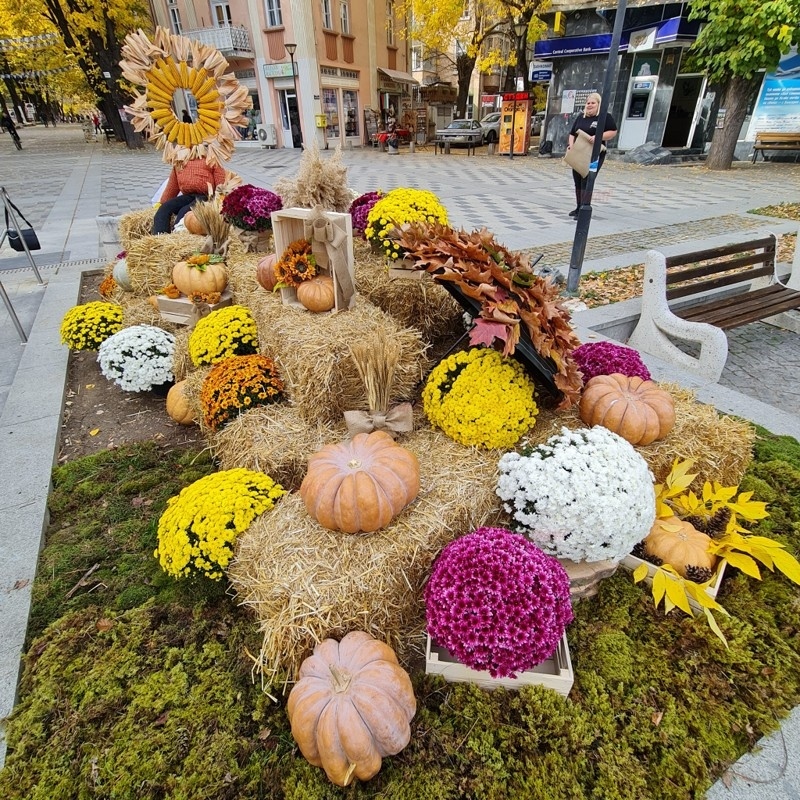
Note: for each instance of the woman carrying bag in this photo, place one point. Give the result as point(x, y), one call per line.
point(585, 127)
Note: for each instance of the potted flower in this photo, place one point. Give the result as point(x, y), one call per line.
point(360, 208)
point(226, 332)
point(249, 208)
point(583, 496)
point(607, 358)
point(87, 326)
point(138, 358)
point(496, 604)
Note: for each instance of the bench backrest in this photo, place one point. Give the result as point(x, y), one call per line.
point(717, 267)
point(764, 137)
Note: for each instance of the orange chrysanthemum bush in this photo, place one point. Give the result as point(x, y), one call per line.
point(236, 385)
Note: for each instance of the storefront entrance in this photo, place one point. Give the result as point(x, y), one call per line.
point(683, 118)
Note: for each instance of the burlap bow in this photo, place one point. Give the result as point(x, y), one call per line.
point(329, 248)
point(399, 419)
point(199, 310)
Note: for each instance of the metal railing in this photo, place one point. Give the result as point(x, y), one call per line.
point(226, 38)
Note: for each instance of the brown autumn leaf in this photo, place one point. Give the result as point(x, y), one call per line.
point(656, 717)
point(104, 624)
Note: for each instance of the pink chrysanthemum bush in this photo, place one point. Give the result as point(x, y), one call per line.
point(359, 211)
point(497, 602)
point(606, 358)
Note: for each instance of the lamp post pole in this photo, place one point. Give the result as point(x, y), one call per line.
point(290, 49)
point(520, 28)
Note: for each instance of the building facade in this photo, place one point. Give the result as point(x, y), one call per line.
point(347, 71)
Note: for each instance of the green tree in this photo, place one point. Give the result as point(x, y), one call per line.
point(740, 38)
point(92, 32)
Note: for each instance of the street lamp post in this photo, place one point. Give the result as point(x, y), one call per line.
point(520, 28)
point(290, 49)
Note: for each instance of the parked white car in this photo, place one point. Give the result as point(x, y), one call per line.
point(491, 125)
point(461, 131)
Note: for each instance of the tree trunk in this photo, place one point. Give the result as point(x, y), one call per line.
point(736, 96)
point(464, 66)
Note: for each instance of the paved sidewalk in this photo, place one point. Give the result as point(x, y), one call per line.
point(62, 184)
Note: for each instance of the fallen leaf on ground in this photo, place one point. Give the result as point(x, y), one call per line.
point(94, 432)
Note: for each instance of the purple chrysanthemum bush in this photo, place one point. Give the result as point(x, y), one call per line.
point(250, 208)
point(360, 208)
point(606, 358)
point(497, 602)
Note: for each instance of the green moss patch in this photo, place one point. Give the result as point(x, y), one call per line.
point(142, 688)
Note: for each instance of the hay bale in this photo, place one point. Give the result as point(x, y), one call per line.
point(134, 225)
point(721, 446)
point(305, 583)
point(151, 259)
point(421, 304)
point(313, 355)
point(241, 269)
point(182, 365)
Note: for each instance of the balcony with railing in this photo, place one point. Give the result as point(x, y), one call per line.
point(230, 40)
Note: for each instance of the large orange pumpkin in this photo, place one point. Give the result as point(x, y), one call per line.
point(193, 225)
point(265, 272)
point(351, 707)
point(178, 406)
point(361, 484)
point(190, 278)
point(637, 410)
point(677, 542)
point(317, 294)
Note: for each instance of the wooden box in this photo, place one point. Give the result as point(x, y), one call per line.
point(287, 227)
point(631, 563)
point(554, 673)
point(179, 310)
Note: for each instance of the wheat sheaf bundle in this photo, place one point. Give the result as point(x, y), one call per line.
point(376, 361)
point(218, 228)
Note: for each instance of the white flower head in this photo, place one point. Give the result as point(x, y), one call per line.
point(585, 495)
point(138, 358)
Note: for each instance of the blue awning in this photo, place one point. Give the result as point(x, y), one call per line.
point(675, 29)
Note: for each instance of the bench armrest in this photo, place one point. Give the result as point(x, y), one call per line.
point(657, 323)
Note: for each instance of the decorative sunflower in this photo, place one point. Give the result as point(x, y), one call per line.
point(167, 64)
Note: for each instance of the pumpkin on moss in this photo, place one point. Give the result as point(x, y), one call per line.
point(178, 406)
point(351, 707)
point(265, 272)
point(201, 273)
point(637, 410)
point(677, 542)
point(317, 294)
point(360, 485)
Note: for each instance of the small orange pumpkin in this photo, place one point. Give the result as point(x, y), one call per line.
point(361, 484)
point(153, 300)
point(317, 294)
point(178, 406)
point(677, 542)
point(193, 224)
point(190, 278)
point(265, 272)
point(637, 410)
point(351, 707)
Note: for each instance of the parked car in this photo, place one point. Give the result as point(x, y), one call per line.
point(461, 131)
point(537, 121)
point(491, 127)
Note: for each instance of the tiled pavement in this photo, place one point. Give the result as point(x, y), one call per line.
point(62, 183)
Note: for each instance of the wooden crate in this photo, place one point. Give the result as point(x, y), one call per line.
point(179, 310)
point(631, 563)
point(287, 227)
point(555, 673)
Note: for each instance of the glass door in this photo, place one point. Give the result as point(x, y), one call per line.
point(290, 119)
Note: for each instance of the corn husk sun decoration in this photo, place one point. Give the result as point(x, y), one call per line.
point(170, 63)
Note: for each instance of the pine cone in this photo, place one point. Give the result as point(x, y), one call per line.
point(718, 523)
point(638, 550)
point(653, 559)
point(698, 574)
point(698, 523)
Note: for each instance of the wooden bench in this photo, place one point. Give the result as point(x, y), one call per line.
point(696, 297)
point(108, 131)
point(766, 140)
point(445, 145)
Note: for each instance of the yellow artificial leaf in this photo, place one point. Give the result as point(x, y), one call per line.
point(668, 604)
point(749, 509)
point(787, 564)
point(763, 541)
point(677, 595)
point(679, 478)
point(745, 563)
point(714, 627)
point(659, 588)
point(94, 432)
point(764, 555)
point(640, 573)
point(90, 386)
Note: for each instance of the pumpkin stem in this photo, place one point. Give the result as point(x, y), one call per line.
point(341, 679)
point(354, 463)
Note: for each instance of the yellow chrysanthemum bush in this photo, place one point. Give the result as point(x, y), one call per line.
point(480, 398)
point(223, 333)
point(236, 384)
point(397, 208)
point(87, 326)
point(198, 530)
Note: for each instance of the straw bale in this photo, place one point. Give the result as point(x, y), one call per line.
point(305, 583)
point(241, 269)
point(181, 363)
point(313, 355)
point(134, 225)
point(721, 446)
point(151, 259)
point(138, 311)
point(414, 303)
point(273, 439)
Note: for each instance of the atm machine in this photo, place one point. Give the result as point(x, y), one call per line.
point(638, 108)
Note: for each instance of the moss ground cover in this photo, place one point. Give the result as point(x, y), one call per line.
point(141, 688)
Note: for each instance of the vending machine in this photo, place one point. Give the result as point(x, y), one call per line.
point(515, 114)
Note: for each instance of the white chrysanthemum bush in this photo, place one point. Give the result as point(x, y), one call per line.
point(584, 495)
point(138, 358)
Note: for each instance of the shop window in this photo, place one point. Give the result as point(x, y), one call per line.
point(350, 103)
point(330, 105)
